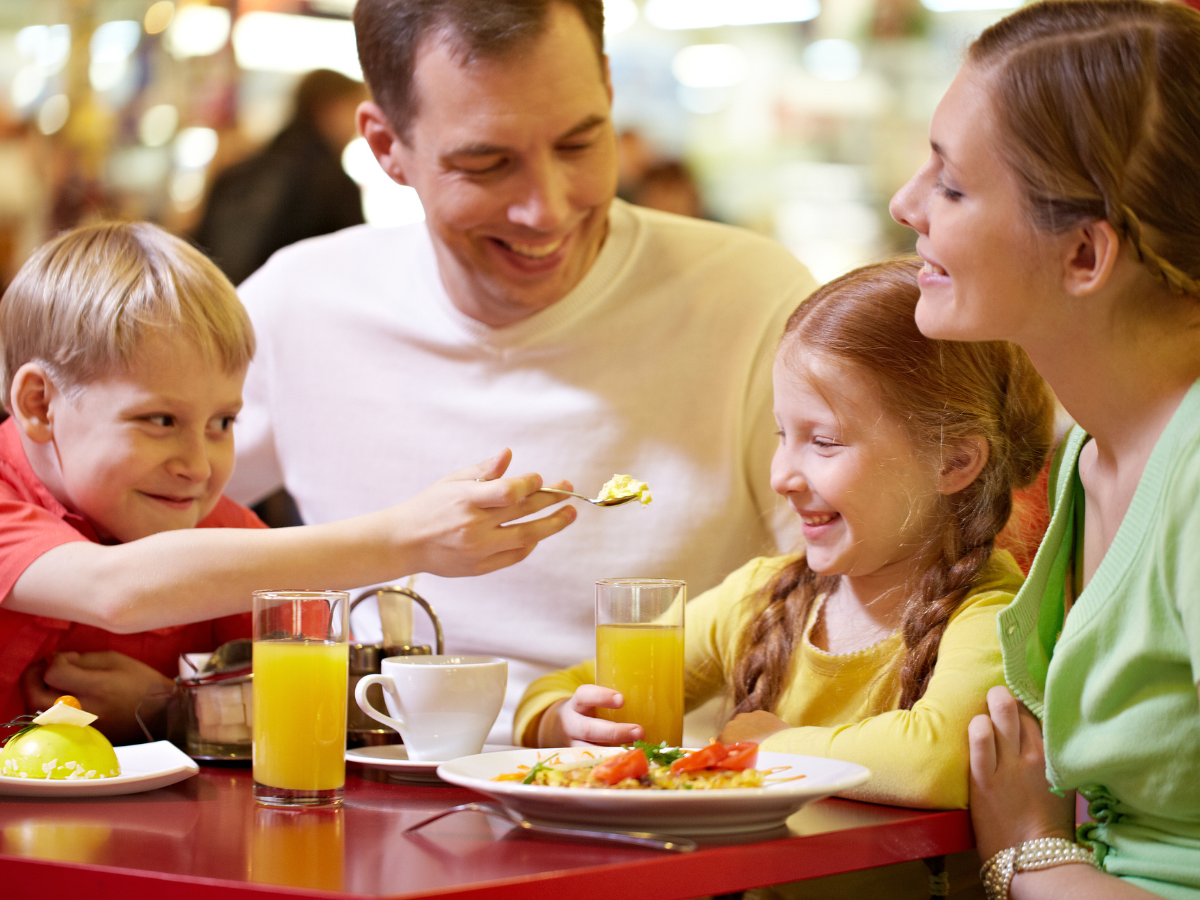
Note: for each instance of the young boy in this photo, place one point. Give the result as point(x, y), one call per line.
point(124, 351)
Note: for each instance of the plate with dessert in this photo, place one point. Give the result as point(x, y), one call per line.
point(59, 754)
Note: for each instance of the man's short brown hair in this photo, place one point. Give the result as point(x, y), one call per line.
point(390, 32)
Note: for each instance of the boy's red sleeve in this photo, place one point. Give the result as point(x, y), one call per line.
point(26, 532)
point(228, 514)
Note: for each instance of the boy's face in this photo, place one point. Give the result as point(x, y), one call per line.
point(150, 449)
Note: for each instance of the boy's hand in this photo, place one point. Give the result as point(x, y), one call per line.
point(458, 523)
point(751, 726)
point(1010, 799)
point(573, 721)
point(107, 684)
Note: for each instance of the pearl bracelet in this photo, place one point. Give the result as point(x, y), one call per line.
point(1042, 853)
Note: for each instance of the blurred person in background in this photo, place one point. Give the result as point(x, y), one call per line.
point(294, 188)
point(670, 186)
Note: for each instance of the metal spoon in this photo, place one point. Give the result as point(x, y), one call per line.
point(613, 501)
point(637, 838)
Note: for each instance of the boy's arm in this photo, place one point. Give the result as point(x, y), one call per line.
point(455, 527)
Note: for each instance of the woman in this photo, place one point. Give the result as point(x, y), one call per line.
point(1060, 210)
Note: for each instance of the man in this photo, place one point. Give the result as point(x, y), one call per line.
point(531, 310)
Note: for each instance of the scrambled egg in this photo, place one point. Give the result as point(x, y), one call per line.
point(623, 486)
point(659, 778)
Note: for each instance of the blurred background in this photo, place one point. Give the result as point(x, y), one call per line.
point(230, 121)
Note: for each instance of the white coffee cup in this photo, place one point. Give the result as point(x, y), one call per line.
point(443, 706)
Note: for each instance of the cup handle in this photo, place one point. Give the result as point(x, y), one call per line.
point(360, 697)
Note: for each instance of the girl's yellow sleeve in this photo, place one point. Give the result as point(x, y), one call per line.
point(919, 756)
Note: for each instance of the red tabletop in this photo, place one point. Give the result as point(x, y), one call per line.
point(206, 833)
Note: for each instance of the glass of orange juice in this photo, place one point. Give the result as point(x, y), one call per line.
point(639, 652)
point(300, 672)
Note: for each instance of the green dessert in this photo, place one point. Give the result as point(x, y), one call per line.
point(57, 746)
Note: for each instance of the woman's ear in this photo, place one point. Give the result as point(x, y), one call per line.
point(1091, 257)
point(963, 465)
point(30, 397)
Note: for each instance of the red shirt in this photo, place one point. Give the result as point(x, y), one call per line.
point(32, 521)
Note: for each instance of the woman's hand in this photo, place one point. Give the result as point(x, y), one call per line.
point(458, 526)
point(107, 684)
point(1011, 801)
point(573, 721)
point(751, 726)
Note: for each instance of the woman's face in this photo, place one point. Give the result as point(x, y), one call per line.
point(987, 271)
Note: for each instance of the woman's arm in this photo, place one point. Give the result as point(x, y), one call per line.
point(455, 527)
point(1011, 803)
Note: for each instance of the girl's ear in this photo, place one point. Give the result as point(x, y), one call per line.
point(32, 391)
point(963, 465)
point(1091, 256)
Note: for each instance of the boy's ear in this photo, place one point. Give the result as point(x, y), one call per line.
point(963, 465)
point(32, 391)
point(1091, 256)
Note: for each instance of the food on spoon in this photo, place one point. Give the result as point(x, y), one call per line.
point(622, 486)
point(60, 744)
point(647, 767)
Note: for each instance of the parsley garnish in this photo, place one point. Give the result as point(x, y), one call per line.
point(538, 767)
point(658, 754)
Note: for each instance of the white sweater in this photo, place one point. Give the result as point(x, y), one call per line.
point(369, 385)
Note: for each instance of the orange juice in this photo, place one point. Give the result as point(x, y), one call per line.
point(644, 663)
point(300, 714)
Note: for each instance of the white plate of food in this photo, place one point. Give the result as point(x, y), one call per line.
point(394, 758)
point(144, 767)
point(788, 783)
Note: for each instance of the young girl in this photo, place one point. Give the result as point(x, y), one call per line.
point(877, 645)
point(1060, 209)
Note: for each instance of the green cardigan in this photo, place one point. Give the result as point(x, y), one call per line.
point(1115, 683)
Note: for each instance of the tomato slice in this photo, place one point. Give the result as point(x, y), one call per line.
point(704, 758)
point(742, 755)
point(620, 766)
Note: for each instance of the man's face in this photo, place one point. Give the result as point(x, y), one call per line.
point(514, 159)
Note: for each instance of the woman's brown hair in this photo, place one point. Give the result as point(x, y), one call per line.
point(944, 392)
point(1098, 108)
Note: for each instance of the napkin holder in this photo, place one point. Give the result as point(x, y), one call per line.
point(366, 659)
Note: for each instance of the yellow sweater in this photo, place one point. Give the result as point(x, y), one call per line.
point(844, 706)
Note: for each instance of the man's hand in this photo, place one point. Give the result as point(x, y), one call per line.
point(107, 684)
point(751, 726)
point(1010, 799)
point(573, 721)
point(460, 524)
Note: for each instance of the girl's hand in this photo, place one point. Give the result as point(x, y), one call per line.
point(457, 526)
point(751, 726)
point(573, 721)
point(1010, 798)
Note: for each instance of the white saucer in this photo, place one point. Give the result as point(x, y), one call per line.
point(144, 767)
point(394, 758)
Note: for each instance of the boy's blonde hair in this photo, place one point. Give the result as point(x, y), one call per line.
point(84, 302)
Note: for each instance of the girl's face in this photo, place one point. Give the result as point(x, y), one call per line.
point(867, 498)
point(987, 271)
